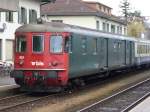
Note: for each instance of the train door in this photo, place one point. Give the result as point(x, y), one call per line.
point(122, 52)
point(128, 52)
point(103, 53)
point(132, 52)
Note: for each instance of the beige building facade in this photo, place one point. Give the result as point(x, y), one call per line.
point(92, 15)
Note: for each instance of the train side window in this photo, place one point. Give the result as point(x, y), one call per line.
point(56, 44)
point(138, 49)
point(84, 45)
point(145, 49)
point(115, 45)
point(95, 45)
point(38, 43)
point(21, 44)
point(141, 49)
point(68, 44)
point(102, 45)
point(71, 44)
point(119, 45)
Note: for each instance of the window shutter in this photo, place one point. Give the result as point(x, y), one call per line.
point(11, 16)
point(30, 16)
point(35, 16)
point(25, 22)
point(7, 16)
point(19, 16)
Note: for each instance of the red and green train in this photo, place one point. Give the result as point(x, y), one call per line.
point(49, 56)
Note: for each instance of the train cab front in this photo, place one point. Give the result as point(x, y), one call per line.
point(41, 61)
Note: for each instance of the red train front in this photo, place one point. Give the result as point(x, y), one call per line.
point(41, 63)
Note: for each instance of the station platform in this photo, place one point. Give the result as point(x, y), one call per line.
point(143, 106)
point(6, 80)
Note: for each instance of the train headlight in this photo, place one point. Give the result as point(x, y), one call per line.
point(55, 63)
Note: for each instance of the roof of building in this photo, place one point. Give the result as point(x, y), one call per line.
point(75, 8)
point(13, 5)
point(94, 2)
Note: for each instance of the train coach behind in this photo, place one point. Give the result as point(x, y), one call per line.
point(50, 56)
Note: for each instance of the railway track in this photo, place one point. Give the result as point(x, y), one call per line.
point(8, 103)
point(122, 101)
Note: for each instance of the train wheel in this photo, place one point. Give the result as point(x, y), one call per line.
point(107, 73)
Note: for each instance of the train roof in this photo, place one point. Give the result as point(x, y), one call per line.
point(61, 27)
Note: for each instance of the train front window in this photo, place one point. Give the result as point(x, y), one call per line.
point(21, 44)
point(56, 44)
point(38, 43)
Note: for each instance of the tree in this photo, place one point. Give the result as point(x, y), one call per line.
point(134, 20)
point(125, 7)
point(135, 28)
point(135, 24)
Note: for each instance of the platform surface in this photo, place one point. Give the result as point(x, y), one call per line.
point(6, 80)
point(142, 107)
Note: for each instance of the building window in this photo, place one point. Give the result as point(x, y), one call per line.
point(100, 7)
point(104, 9)
point(23, 15)
point(125, 31)
point(97, 25)
point(9, 16)
point(118, 30)
point(104, 26)
point(59, 21)
point(107, 27)
point(32, 16)
point(112, 28)
point(108, 11)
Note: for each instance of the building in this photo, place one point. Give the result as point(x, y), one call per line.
point(12, 5)
point(26, 11)
point(86, 14)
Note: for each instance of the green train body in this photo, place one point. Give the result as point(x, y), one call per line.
point(108, 54)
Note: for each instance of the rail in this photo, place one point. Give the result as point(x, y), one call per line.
point(122, 101)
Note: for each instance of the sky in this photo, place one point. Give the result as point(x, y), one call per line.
point(141, 5)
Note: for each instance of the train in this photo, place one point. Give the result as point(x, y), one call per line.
point(49, 56)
